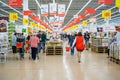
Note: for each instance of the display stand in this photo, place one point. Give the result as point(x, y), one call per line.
point(54, 48)
point(115, 53)
point(99, 45)
point(3, 40)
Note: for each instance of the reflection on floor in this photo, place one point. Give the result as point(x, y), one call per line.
point(93, 66)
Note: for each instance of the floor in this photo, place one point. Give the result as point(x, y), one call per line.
point(93, 66)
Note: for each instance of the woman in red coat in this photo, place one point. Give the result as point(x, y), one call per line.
point(79, 44)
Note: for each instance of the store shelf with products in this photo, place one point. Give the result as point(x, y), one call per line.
point(115, 52)
point(11, 29)
point(99, 44)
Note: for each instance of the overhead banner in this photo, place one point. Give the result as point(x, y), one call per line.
point(89, 10)
point(106, 14)
point(53, 8)
point(61, 9)
point(92, 19)
point(25, 21)
point(105, 1)
point(15, 3)
point(117, 3)
point(27, 12)
point(82, 16)
point(44, 10)
point(61, 20)
point(85, 22)
point(13, 16)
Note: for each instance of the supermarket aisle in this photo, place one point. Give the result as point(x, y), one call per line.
point(94, 66)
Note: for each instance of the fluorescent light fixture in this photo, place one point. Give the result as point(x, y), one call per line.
point(112, 13)
point(112, 18)
point(40, 8)
point(68, 8)
point(2, 15)
point(11, 8)
point(107, 9)
point(80, 10)
point(8, 13)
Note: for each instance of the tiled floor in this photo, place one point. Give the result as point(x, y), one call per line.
point(93, 66)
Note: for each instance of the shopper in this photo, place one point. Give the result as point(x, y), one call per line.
point(34, 40)
point(111, 39)
point(39, 44)
point(14, 39)
point(71, 40)
point(21, 39)
point(86, 37)
point(43, 41)
point(79, 44)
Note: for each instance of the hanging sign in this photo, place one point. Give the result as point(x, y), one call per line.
point(13, 16)
point(61, 9)
point(23, 30)
point(85, 22)
point(35, 17)
point(117, 28)
point(25, 21)
point(82, 16)
point(44, 10)
point(15, 3)
point(92, 19)
point(89, 10)
point(53, 8)
point(27, 12)
point(117, 3)
point(31, 23)
point(105, 1)
point(106, 14)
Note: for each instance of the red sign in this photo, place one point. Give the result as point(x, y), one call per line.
point(35, 17)
point(82, 16)
point(89, 10)
point(117, 28)
point(27, 12)
point(15, 3)
point(105, 1)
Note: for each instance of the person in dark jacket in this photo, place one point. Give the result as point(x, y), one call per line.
point(43, 41)
point(86, 37)
point(71, 40)
point(21, 39)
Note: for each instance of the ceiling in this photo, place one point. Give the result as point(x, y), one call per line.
point(75, 8)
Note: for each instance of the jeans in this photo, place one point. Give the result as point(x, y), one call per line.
point(39, 47)
point(43, 46)
point(72, 51)
point(34, 52)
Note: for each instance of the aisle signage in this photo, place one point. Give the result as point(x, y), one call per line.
point(105, 1)
point(106, 14)
point(27, 12)
point(89, 10)
point(117, 3)
point(15, 3)
point(61, 9)
point(13, 16)
point(44, 10)
point(83, 16)
point(25, 21)
point(92, 19)
point(117, 28)
point(85, 22)
point(53, 8)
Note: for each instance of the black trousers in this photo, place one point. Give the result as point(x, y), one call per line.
point(108, 52)
point(14, 49)
point(34, 52)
